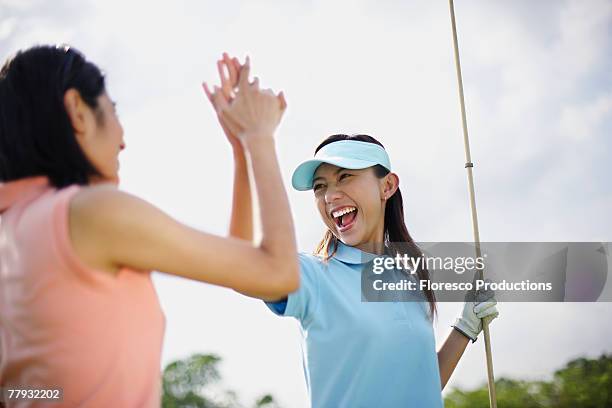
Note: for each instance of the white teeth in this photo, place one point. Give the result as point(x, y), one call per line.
point(343, 211)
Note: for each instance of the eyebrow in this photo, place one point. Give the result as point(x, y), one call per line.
point(323, 178)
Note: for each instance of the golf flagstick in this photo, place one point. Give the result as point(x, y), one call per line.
point(468, 166)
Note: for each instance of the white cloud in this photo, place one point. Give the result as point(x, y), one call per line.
point(582, 122)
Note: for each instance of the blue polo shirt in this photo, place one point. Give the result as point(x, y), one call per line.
point(361, 354)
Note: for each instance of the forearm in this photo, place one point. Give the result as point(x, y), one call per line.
point(241, 222)
point(450, 353)
point(278, 236)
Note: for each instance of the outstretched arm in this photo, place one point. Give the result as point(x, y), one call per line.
point(241, 221)
point(111, 229)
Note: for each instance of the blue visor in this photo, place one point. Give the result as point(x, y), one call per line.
point(348, 154)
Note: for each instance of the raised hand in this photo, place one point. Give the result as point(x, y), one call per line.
point(222, 96)
point(241, 221)
point(254, 112)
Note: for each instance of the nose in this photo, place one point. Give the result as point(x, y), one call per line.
point(332, 194)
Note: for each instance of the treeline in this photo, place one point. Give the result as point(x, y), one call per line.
point(582, 383)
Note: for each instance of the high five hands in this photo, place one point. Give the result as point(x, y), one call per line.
point(245, 111)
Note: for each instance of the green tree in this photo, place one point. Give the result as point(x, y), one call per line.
point(194, 382)
point(582, 383)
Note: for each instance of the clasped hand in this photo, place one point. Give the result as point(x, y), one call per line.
point(245, 111)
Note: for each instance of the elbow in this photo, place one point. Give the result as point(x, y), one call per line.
point(291, 275)
point(287, 279)
point(283, 261)
point(281, 272)
point(293, 281)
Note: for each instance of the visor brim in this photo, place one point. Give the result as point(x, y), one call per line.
point(303, 175)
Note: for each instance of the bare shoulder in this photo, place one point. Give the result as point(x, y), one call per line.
point(99, 198)
point(105, 206)
point(98, 217)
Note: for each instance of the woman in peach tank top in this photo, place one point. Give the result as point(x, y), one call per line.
point(78, 311)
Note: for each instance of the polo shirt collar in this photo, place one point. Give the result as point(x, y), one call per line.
point(351, 255)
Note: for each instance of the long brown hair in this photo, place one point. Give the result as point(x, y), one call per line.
point(397, 239)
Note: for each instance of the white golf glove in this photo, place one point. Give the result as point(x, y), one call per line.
point(470, 322)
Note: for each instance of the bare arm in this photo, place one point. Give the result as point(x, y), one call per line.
point(241, 221)
point(466, 328)
point(112, 229)
point(450, 353)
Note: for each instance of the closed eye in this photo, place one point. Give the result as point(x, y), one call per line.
point(345, 175)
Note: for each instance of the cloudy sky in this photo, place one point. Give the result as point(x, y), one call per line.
point(538, 87)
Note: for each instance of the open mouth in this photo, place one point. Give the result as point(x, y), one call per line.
point(345, 218)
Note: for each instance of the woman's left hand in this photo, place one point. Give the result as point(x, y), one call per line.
point(219, 97)
point(470, 321)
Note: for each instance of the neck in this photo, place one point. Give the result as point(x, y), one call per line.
point(93, 180)
point(371, 247)
point(375, 244)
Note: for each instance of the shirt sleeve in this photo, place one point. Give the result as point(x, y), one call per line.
point(302, 303)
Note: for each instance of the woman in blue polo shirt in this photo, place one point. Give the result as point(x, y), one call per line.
point(360, 354)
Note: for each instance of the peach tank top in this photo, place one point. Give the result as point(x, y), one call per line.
point(63, 324)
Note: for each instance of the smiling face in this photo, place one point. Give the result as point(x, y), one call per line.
point(352, 202)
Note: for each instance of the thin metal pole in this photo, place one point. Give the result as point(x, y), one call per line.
point(469, 166)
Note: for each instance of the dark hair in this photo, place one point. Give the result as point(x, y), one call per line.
point(36, 135)
point(397, 240)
